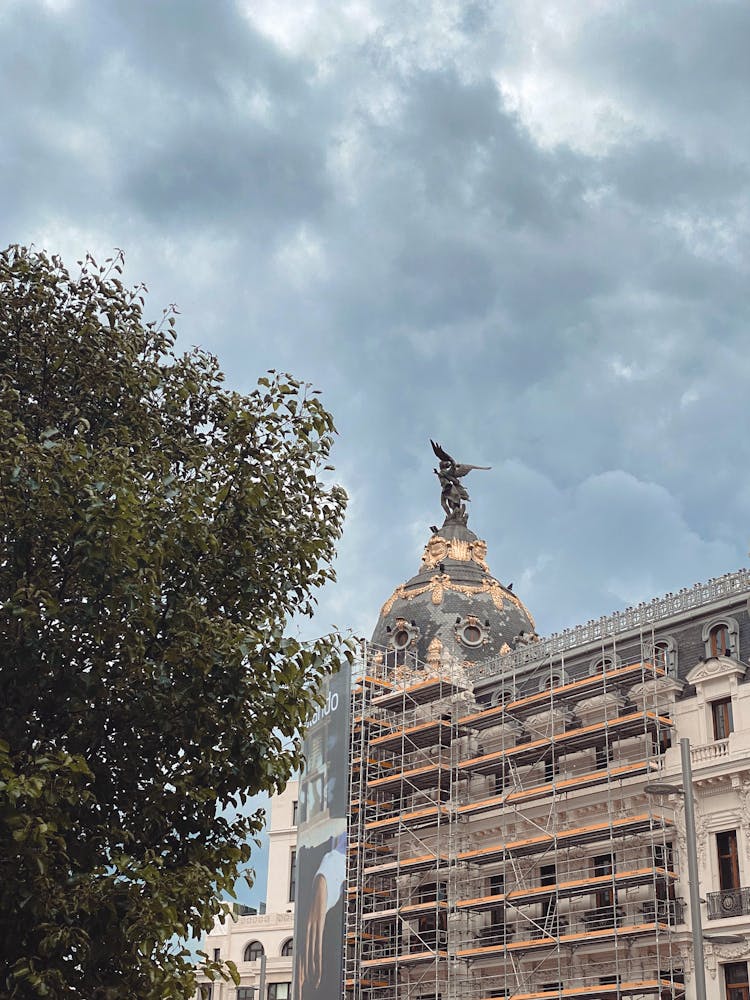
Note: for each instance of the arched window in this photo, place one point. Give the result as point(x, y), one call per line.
point(604, 664)
point(722, 638)
point(718, 639)
point(287, 948)
point(253, 951)
point(661, 655)
point(503, 696)
point(551, 681)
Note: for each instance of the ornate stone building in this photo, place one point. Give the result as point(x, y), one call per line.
point(502, 839)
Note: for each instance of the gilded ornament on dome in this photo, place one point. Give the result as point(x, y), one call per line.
point(461, 549)
point(435, 551)
point(439, 584)
point(434, 653)
point(479, 554)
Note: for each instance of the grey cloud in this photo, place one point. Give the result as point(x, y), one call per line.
point(577, 321)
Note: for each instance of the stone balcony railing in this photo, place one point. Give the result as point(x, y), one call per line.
point(709, 752)
point(728, 903)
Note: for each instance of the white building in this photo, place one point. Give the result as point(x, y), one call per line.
point(260, 944)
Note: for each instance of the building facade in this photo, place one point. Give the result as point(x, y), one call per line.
point(261, 944)
point(504, 835)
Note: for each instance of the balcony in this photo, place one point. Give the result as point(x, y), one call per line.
point(709, 752)
point(728, 903)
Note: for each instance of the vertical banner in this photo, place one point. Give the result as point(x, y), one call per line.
point(321, 847)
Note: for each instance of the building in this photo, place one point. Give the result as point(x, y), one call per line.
point(261, 944)
point(502, 840)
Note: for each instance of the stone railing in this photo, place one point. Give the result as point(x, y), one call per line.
point(644, 615)
point(728, 903)
point(709, 751)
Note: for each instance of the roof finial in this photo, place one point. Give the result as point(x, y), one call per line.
point(453, 495)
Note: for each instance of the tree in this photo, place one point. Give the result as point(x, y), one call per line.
point(158, 531)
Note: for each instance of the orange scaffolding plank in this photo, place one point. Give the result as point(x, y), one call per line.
point(601, 990)
point(584, 687)
point(402, 866)
point(356, 845)
point(413, 818)
point(581, 937)
point(572, 887)
point(418, 694)
point(424, 734)
point(405, 959)
point(633, 724)
point(589, 833)
point(566, 785)
point(427, 776)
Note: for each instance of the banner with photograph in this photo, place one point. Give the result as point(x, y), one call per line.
point(321, 847)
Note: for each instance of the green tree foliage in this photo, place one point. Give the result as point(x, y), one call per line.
point(158, 531)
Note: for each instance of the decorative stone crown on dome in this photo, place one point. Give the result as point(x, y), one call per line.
point(453, 608)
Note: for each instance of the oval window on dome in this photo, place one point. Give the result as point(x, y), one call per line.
point(401, 638)
point(471, 635)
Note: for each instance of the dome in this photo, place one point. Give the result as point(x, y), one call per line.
point(455, 600)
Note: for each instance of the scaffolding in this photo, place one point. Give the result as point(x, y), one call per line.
point(507, 848)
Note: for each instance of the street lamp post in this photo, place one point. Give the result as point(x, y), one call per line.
point(696, 922)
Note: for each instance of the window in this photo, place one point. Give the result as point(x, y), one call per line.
point(722, 638)
point(503, 696)
point(217, 954)
point(603, 756)
point(245, 993)
point(292, 875)
point(721, 712)
point(287, 948)
point(603, 665)
point(206, 991)
point(550, 681)
point(550, 768)
point(729, 862)
point(718, 639)
point(295, 812)
point(735, 981)
point(661, 656)
point(497, 885)
point(547, 875)
point(603, 864)
point(253, 951)
point(663, 858)
point(430, 892)
point(279, 991)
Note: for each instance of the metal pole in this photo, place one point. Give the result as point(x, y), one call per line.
point(696, 925)
point(262, 981)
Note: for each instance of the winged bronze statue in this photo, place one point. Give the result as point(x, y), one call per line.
point(453, 495)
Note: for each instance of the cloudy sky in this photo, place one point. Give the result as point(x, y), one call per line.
point(517, 226)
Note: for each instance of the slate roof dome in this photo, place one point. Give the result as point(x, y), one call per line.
point(454, 599)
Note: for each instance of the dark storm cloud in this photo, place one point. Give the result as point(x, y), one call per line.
point(521, 229)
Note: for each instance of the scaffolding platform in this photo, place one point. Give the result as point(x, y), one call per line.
point(575, 837)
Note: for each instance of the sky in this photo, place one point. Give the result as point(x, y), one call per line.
point(519, 227)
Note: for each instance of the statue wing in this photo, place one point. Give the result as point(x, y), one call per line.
point(462, 470)
point(441, 454)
